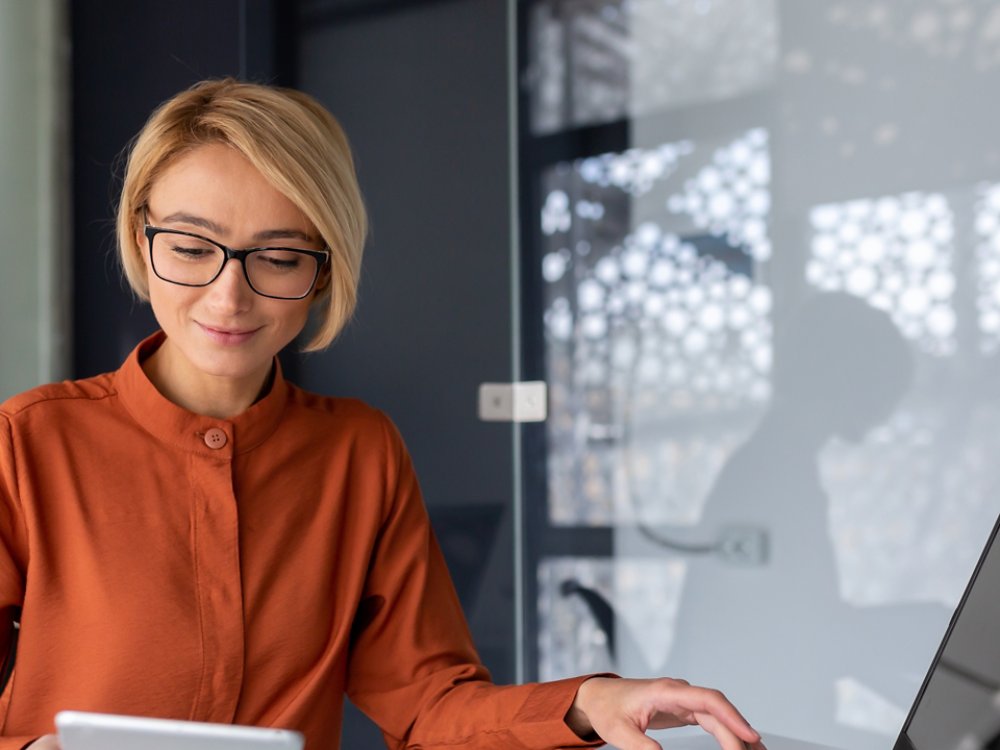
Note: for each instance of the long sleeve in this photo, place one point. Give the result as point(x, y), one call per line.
point(413, 667)
point(13, 565)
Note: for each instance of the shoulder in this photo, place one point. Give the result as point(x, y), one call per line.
point(348, 410)
point(58, 397)
point(344, 416)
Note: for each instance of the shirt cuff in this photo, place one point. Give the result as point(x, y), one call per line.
point(541, 721)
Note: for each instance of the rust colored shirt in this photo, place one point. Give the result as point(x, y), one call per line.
point(249, 570)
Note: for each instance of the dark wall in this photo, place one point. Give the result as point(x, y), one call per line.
point(422, 93)
point(422, 96)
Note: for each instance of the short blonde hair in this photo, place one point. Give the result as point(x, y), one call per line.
point(296, 145)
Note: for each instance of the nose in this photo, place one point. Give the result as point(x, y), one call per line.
point(230, 293)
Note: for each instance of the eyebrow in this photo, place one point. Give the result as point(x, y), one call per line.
point(264, 236)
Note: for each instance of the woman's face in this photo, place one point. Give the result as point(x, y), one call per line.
point(224, 330)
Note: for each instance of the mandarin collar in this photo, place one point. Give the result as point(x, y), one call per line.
point(195, 433)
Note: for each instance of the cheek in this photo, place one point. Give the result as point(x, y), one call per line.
point(290, 322)
point(293, 317)
point(155, 286)
point(165, 299)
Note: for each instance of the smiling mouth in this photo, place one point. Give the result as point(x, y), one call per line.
point(228, 336)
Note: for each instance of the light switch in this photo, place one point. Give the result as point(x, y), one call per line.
point(513, 402)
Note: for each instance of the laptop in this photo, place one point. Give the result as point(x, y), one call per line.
point(81, 730)
point(958, 705)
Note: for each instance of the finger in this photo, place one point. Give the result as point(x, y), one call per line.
point(681, 704)
point(715, 704)
point(626, 736)
point(723, 735)
point(729, 741)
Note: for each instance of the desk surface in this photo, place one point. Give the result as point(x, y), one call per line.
point(772, 741)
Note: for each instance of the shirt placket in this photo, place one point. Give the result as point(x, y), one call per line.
point(215, 531)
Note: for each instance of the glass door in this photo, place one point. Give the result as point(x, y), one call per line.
point(760, 252)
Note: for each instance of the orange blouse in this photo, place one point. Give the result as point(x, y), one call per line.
point(250, 570)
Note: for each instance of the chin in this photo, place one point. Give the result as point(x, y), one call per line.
point(232, 367)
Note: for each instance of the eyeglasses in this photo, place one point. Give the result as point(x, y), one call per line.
point(192, 260)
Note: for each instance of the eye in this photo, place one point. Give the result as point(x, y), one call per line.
point(191, 251)
point(279, 260)
point(188, 248)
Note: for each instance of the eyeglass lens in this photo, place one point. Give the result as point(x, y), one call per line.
point(275, 272)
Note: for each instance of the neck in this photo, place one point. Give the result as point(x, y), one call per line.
point(201, 393)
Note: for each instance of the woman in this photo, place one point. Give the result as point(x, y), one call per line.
point(193, 537)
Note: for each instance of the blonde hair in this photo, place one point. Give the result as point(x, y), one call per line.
point(296, 145)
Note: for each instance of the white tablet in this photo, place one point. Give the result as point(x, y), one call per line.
point(79, 730)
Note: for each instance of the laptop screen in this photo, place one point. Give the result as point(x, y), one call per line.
point(958, 707)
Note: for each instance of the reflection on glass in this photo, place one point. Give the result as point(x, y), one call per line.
point(594, 61)
point(896, 252)
point(860, 706)
point(595, 613)
point(987, 223)
point(840, 368)
point(731, 196)
point(942, 31)
point(647, 324)
point(917, 488)
point(819, 503)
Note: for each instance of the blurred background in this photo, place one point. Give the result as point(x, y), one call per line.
point(751, 246)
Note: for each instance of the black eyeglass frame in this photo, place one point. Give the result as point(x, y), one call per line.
point(321, 256)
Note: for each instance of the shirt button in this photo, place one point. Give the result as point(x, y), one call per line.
point(215, 438)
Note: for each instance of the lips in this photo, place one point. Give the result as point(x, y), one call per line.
point(228, 336)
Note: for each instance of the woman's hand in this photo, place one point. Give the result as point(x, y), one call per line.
point(46, 742)
point(620, 711)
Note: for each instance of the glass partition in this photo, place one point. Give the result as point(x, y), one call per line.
point(761, 251)
point(34, 331)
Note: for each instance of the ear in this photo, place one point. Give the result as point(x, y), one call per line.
point(325, 277)
point(141, 244)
